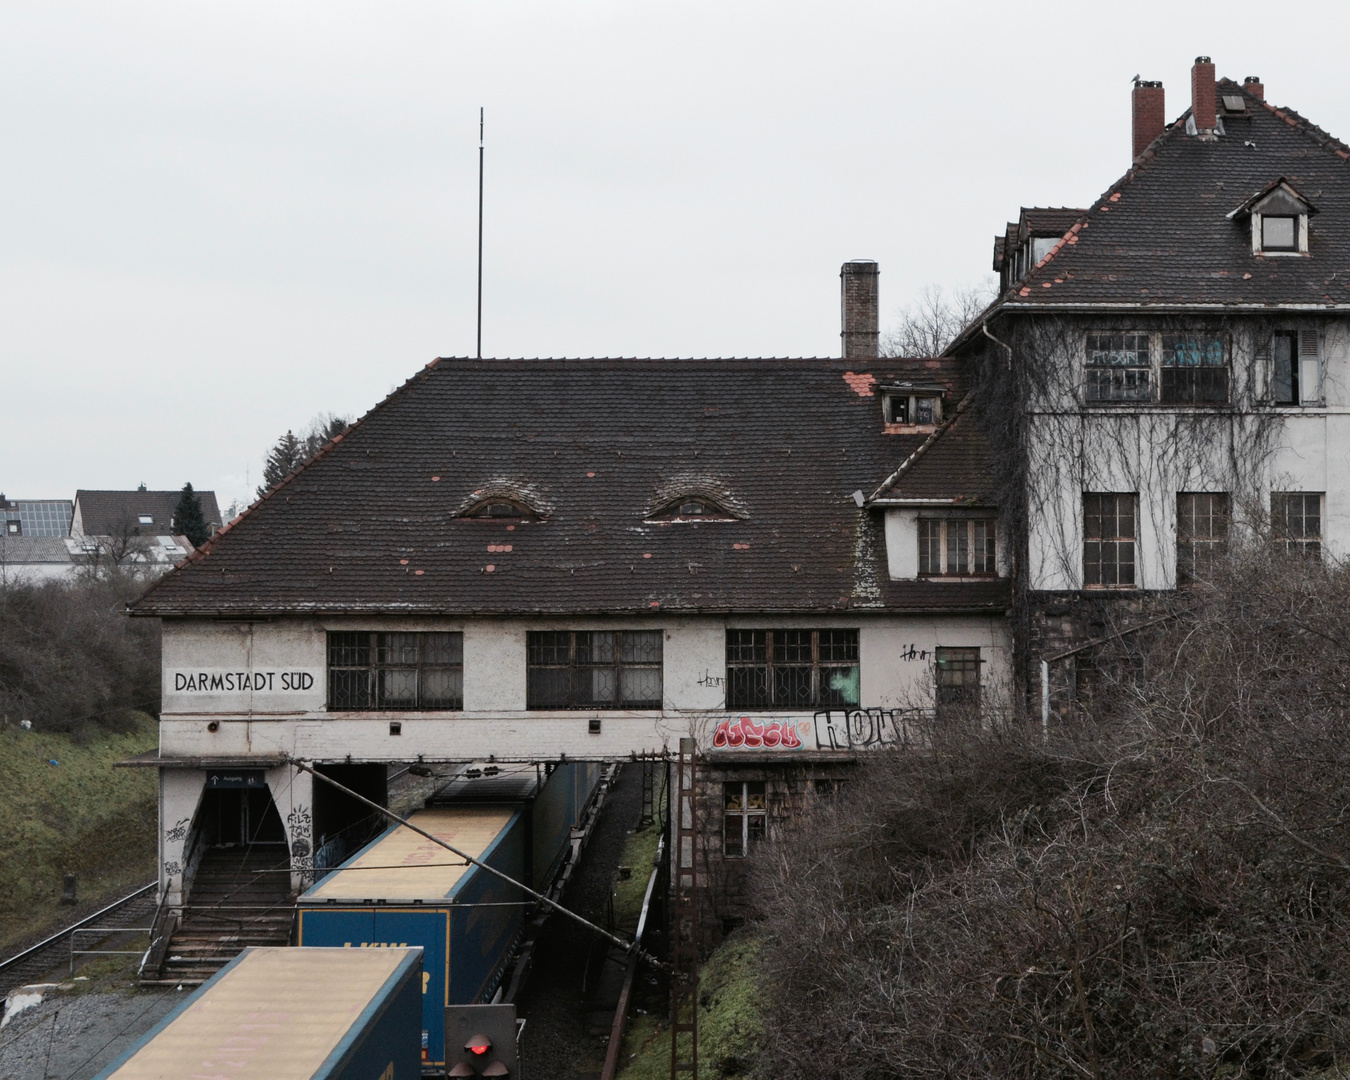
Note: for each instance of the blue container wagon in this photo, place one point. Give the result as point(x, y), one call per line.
point(291, 1014)
point(402, 889)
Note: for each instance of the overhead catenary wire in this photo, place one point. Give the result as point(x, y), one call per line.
point(627, 946)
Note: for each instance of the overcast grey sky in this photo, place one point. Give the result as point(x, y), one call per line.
point(220, 219)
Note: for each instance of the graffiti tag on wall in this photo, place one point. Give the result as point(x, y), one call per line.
point(745, 732)
point(857, 729)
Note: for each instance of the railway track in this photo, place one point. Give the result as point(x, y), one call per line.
point(37, 961)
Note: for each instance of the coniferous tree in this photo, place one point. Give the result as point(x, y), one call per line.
point(188, 519)
point(284, 457)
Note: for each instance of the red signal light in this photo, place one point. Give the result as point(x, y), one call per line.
point(479, 1044)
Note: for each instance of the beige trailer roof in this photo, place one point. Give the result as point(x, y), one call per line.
point(407, 866)
point(265, 1019)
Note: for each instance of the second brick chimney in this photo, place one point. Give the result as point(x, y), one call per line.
point(858, 301)
point(1204, 99)
point(1252, 84)
point(1149, 117)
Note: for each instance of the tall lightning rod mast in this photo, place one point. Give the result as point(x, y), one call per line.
point(480, 233)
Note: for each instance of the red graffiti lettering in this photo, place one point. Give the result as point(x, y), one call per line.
point(776, 734)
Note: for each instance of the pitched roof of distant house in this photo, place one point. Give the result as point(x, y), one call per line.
point(29, 550)
point(114, 513)
point(1163, 236)
point(597, 456)
point(35, 517)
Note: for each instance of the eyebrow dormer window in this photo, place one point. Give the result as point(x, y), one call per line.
point(691, 508)
point(501, 510)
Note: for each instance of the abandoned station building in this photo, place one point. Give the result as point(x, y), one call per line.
point(786, 560)
point(529, 558)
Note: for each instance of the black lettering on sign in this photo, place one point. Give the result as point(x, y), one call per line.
point(224, 682)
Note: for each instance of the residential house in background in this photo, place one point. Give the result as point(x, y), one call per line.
point(134, 528)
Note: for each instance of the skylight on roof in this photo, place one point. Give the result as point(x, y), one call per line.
point(146, 519)
point(1234, 103)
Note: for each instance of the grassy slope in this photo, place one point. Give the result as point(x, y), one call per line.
point(728, 1019)
point(81, 816)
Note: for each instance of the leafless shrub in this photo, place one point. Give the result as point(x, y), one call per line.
point(927, 326)
point(1160, 888)
point(70, 658)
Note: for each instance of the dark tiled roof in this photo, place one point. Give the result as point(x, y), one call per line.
point(954, 465)
point(1161, 236)
point(110, 513)
point(370, 524)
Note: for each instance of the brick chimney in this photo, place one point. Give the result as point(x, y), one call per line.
point(1204, 95)
point(858, 296)
point(1253, 85)
point(1149, 115)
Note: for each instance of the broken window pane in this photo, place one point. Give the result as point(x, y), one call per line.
point(957, 673)
point(802, 669)
point(1194, 368)
point(745, 816)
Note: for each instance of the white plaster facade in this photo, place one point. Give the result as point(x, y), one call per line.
point(1161, 450)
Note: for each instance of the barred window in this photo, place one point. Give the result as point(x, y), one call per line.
point(1118, 368)
point(1194, 368)
point(593, 669)
point(744, 816)
point(958, 678)
point(1296, 518)
point(956, 546)
point(371, 670)
point(1108, 540)
point(1202, 534)
point(792, 669)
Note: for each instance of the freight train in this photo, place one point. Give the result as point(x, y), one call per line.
point(402, 889)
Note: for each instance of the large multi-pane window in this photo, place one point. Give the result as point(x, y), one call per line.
point(1109, 531)
point(1296, 519)
point(1194, 368)
point(1202, 534)
point(958, 679)
point(956, 546)
point(792, 669)
point(1118, 368)
point(373, 670)
point(593, 669)
point(744, 816)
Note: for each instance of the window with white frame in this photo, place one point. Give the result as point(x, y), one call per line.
point(1296, 521)
point(1109, 534)
point(956, 547)
point(912, 406)
point(745, 816)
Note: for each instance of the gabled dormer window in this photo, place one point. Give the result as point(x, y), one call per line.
point(1278, 217)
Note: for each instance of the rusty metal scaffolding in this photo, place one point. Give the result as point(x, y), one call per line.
point(684, 921)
